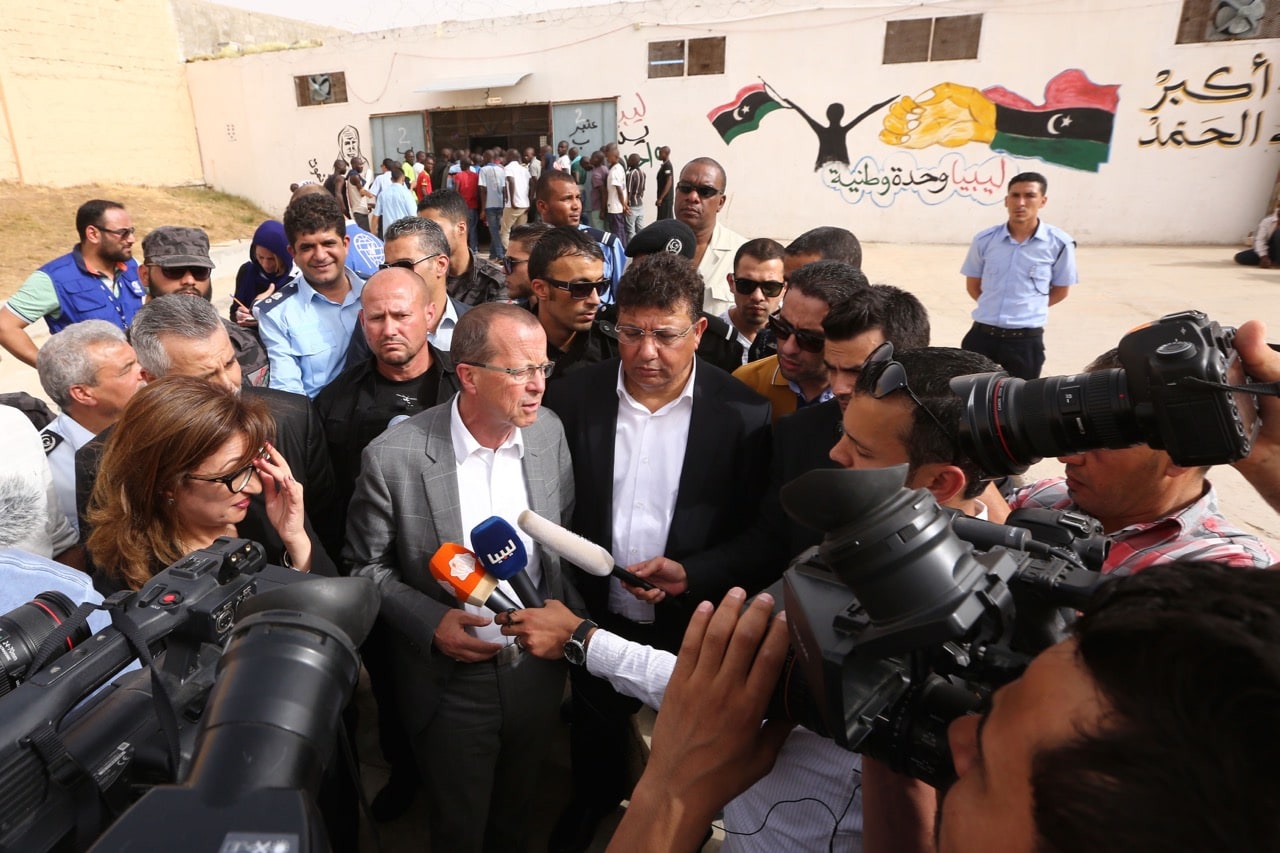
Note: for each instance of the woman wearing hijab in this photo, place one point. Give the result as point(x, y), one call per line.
point(270, 265)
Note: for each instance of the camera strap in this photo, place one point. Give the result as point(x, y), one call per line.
point(159, 691)
point(1266, 389)
point(60, 636)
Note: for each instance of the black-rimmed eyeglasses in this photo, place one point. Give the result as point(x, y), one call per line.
point(238, 479)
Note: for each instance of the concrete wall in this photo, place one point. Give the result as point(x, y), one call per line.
point(205, 28)
point(94, 91)
point(1183, 161)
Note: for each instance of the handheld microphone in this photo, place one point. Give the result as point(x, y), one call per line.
point(583, 553)
point(499, 549)
point(458, 571)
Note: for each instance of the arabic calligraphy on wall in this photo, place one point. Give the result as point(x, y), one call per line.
point(882, 182)
point(633, 131)
point(1178, 116)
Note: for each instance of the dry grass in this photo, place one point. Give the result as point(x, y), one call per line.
point(38, 223)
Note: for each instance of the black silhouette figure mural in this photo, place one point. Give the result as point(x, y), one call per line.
point(832, 146)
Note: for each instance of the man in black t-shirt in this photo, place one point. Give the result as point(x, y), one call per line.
point(404, 375)
point(666, 185)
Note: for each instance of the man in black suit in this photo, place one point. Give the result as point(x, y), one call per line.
point(184, 336)
point(670, 457)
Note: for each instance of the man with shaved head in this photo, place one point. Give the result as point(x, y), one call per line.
point(699, 200)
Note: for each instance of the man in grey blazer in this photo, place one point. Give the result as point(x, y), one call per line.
point(479, 711)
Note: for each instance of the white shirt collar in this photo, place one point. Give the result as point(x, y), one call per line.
point(685, 394)
point(465, 444)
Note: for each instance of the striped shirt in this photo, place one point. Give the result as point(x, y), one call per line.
point(1197, 532)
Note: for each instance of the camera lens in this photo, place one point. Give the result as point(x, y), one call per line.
point(1009, 424)
point(23, 630)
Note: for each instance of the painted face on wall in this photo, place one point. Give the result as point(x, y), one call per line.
point(348, 143)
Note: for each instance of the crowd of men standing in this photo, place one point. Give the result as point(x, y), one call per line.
point(651, 388)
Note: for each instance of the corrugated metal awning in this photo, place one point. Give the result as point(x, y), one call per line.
point(480, 81)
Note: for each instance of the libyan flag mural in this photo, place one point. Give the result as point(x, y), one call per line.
point(743, 113)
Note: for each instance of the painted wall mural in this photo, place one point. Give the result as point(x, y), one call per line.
point(1070, 126)
point(633, 131)
point(1178, 117)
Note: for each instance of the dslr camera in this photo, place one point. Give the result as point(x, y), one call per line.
point(1181, 389)
point(909, 615)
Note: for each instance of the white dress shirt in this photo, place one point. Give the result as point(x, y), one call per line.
point(442, 337)
point(648, 457)
point(491, 482)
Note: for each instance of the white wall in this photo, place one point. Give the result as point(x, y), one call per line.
point(254, 140)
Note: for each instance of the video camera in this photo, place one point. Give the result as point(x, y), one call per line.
point(1181, 389)
point(236, 738)
point(908, 615)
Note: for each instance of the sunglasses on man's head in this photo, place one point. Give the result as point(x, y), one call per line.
point(747, 286)
point(703, 191)
point(888, 375)
point(806, 340)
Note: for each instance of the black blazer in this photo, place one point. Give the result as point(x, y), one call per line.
point(725, 466)
point(758, 556)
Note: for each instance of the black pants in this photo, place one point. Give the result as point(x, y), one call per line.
point(1022, 357)
point(1249, 257)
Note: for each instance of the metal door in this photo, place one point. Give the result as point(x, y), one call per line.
point(395, 134)
point(587, 125)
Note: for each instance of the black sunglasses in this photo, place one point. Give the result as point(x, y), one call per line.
point(509, 264)
point(579, 289)
point(702, 190)
point(405, 263)
point(806, 340)
point(890, 376)
point(178, 273)
point(747, 286)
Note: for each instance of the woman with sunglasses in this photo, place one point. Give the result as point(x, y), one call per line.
point(178, 471)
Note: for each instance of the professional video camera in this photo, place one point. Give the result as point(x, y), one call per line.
point(237, 738)
point(1182, 389)
point(899, 625)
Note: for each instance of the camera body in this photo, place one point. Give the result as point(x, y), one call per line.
point(899, 625)
point(1169, 393)
point(197, 716)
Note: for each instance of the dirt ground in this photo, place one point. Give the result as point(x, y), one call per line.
point(38, 223)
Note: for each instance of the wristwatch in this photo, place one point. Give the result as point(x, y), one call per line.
point(575, 648)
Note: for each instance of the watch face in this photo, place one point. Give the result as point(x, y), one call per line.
point(574, 653)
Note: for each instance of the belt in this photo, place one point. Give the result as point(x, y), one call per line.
point(509, 655)
point(997, 332)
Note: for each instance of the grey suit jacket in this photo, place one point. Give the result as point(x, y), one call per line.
point(406, 505)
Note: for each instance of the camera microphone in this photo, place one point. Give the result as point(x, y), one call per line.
point(583, 553)
point(458, 570)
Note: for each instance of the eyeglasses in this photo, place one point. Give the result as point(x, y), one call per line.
point(634, 335)
point(579, 289)
point(406, 264)
point(179, 273)
point(236, 480)
point(118, 233)
point(890, 376)
point(509, 264)
point(520, 374)
point(703, 191)
point(747, 286)
point(806, 340)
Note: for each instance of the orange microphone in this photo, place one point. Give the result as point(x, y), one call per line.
point(459, 571)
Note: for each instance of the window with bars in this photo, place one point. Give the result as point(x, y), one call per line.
point(932, 39)
point(690, 58)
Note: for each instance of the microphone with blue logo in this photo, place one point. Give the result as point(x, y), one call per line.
point(502, 553)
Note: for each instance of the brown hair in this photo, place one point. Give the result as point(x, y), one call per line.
point(168, 428)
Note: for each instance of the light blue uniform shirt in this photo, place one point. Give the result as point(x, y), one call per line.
point(306, 335)
point(1016, 277)
point(24, 575)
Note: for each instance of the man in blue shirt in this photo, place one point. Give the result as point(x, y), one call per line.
point(1015, 271)
point(306, 326)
